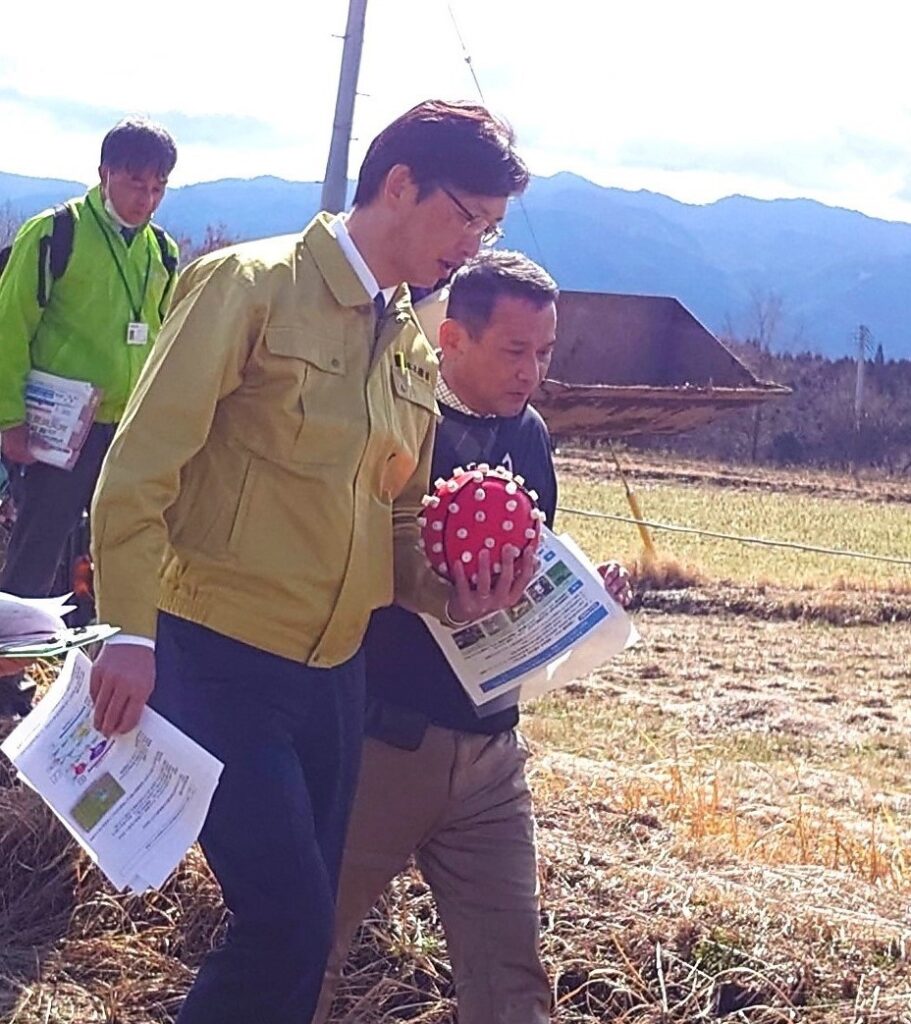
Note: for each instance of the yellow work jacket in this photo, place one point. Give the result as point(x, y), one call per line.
point(269, 467)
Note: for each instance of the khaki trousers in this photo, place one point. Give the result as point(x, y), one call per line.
point(461, 805)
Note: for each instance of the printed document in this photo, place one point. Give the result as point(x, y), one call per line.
point(135, 803)
point(59, 413)
point(33, 627)
point(565, 626)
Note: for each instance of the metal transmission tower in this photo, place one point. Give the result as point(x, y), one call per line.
point(335, 183)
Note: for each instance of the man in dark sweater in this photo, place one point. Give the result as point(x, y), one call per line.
point(437, 780)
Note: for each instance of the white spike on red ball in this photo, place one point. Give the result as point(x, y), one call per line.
point(456, 530)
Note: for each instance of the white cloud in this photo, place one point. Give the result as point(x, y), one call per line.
point(698, 100)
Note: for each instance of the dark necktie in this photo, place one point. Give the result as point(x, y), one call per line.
point(379, 304)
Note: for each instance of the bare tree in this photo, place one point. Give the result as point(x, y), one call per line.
point(10, 221)
point(216, 236)
point(765, 315)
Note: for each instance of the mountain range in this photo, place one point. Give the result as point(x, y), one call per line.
point(800, 274)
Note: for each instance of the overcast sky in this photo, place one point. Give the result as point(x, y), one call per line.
point(697, 100)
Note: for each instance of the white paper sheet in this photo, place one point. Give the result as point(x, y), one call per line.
point(34, 627)
point(565, 626)
point(136, 802)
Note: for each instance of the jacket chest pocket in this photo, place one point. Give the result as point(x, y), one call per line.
point(414, 410)
point(308, 403)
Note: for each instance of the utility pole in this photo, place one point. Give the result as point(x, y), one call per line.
point(863, 346)
point(335, 183)
point(863, 343)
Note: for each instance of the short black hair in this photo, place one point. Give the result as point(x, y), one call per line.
point(137, 144)
point(476, 286)
point(457, 144)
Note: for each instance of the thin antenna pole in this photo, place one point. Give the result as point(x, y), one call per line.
point(335, 183)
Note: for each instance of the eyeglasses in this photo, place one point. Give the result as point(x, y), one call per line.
point(475, 223)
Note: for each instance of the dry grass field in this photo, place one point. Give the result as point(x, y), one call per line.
point(724, 813)
point(814, 508)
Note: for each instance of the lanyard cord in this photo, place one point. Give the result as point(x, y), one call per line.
point(135, 307)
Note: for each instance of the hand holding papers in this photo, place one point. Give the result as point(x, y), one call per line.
point(59, 413)
point(136, 802)
point(565, 626)
point(34, 628)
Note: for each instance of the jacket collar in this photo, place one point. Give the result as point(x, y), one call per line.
point(338, 273)
point(95, 199)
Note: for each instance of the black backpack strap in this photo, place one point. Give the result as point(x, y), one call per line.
point(54, 252)
point(168, 259)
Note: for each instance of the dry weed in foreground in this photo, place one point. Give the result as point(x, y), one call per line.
point(698, 932)
point(860, 584)
point(637, 930)
point(633, 931)
point(678, 887)
point(710, 814)
point(664, 573)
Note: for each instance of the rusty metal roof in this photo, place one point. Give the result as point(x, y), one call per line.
point(634, 364)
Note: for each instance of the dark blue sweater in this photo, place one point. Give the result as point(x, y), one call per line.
point(405, 667)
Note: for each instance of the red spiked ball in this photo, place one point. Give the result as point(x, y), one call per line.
point(477, 509)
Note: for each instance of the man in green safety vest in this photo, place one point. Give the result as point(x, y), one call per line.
point(82, 297)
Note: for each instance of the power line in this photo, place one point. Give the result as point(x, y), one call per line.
point(470, 63)
point(467, 55)
point(531, 231)
point(763, 541)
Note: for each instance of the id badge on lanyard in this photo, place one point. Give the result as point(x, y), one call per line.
point(137, 333)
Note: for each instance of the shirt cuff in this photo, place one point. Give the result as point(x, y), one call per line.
point(129, 638)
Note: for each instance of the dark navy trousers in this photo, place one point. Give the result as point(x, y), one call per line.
point(290, 739)
point(49, 503)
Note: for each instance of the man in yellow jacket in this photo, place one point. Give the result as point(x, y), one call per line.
point(259, 501)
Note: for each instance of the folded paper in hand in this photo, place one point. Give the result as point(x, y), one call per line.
point(134, 802)
point(565, 626)
point(34, 627)
point(59, 413)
